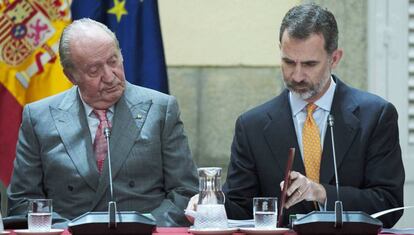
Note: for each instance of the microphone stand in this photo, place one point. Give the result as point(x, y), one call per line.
point(338, 202)
point(111, 204)
point(337, 221)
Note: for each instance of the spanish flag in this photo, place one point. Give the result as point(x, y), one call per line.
point(29, 64)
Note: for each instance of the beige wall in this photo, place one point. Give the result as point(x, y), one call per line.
point(223, 33)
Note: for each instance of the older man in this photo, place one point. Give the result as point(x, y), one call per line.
point(61, 151)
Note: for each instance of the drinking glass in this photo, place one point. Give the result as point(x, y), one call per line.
point(265, 212)
point(1, 223)
point(40, 214)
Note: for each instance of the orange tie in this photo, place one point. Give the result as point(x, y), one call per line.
point(312, 150)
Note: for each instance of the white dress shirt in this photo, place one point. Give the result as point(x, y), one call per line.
point(93, 121)
point(320, 114)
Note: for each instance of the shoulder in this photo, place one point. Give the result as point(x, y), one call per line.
point(366, 106)
point(264, 112)
point(44, 104)
point(260, 109)
point(364, 99)
point(137, 94)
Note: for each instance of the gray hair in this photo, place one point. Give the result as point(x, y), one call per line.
point(73, 30)
point(303, 20)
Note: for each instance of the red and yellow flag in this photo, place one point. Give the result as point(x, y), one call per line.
point(29, 64)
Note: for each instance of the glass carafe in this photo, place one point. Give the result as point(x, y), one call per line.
point(210, 207)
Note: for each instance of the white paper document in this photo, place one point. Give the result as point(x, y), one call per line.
point(398, 230)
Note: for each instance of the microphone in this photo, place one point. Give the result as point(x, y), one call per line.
point(338, 202)
point(111, 203)
point(112, 222)
point(338, 221)
point(331, 123)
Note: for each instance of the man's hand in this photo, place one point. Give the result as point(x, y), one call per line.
point(303, 188)
point(191, 207)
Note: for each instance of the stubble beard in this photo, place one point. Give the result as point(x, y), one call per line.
point(312, 90)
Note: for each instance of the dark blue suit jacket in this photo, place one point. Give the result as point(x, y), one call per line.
point(370, 168)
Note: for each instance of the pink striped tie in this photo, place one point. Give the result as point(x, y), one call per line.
point(100, 145)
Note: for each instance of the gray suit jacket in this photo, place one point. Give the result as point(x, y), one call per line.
point(152, 167)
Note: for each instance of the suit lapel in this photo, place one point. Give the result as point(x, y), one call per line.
point(127, 124)
point(70, 121)
point(345, 128)
point(279, 135)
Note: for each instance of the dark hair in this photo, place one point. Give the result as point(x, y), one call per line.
point(303, 20)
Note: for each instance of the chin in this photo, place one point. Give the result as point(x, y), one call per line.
point(304, 95)
point(103, 105)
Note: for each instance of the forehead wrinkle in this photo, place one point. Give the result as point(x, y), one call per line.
point(91, 52)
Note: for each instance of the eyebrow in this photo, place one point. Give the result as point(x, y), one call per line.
point(286, 59)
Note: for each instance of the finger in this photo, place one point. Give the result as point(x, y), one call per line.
point(297, 181)
point(192, 204)
point(281, 185)
point(288, 203)
point(191, 208)
point(314, 192)
point(307, 192)
point(195, 201)
point(291, 189)
point(294, 175)
point(298, 192)
point(296, 197)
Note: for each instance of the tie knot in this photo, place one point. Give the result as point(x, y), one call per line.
point(310, 108)
point(101, 114)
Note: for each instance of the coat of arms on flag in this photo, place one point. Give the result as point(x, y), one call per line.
point(29, 68)
point(25, 27)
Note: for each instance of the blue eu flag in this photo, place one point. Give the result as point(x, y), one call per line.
point(136, 24)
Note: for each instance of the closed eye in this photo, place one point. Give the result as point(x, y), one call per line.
point(288, 61)
point(310, 63)
point(113, 61)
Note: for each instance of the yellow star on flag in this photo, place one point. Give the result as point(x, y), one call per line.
point(118, 9)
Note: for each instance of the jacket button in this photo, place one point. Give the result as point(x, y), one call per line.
point(131, 183)
point(70, 187)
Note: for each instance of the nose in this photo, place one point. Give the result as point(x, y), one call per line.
point(107, 74)
point(297, 74)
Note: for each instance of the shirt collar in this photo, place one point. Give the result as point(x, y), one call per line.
point(89, 109)
point(325, 102)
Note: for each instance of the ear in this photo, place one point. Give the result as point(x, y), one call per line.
point(336, 57)
point(69, 75)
